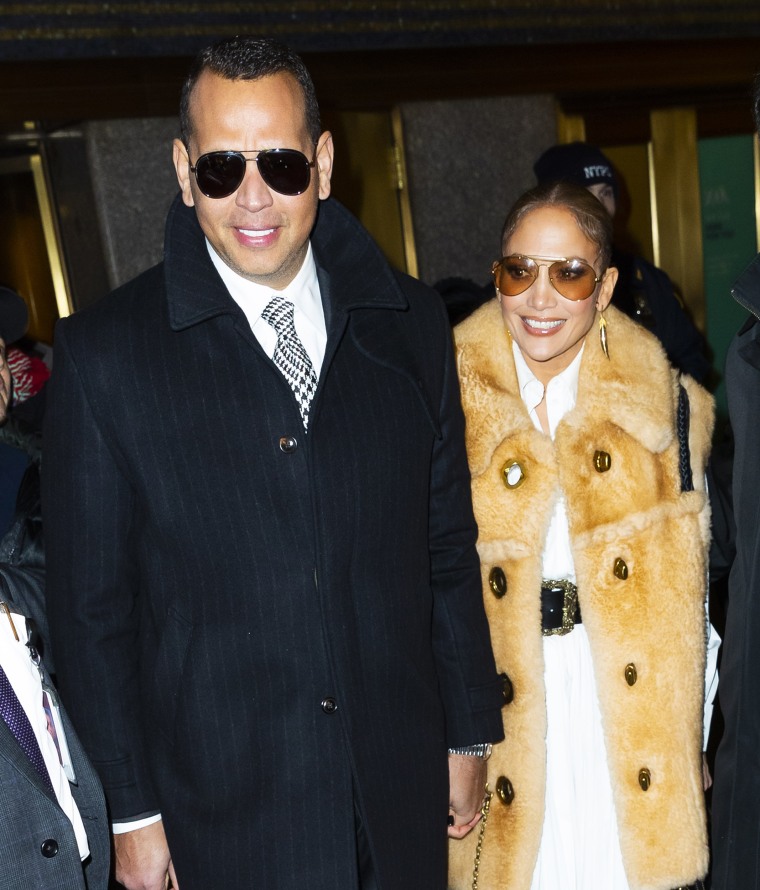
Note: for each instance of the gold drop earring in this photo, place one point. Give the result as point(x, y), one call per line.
point(603, 332)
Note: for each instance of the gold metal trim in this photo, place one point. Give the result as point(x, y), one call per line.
point(676, 203)
point(404, 198)
point(570, 127)
point(52, 235)
point(569, 607)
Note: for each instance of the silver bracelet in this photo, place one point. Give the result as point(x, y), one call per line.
point(482, 750)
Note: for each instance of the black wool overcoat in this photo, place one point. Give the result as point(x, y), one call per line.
point(258, 630)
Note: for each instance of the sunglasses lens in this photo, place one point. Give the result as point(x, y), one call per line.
point(515, 274)
point(574, 279)
point(285, 170)
point(219, 173)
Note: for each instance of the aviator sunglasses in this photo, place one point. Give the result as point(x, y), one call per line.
point(284, 170)
point(572, 278)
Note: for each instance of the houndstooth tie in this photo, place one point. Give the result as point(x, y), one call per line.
point(14, 715)
point(290, 356)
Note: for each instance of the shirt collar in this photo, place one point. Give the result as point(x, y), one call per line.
point(303, 290)
point(561, 391)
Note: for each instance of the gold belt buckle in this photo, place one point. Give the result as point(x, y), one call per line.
point(569, 607)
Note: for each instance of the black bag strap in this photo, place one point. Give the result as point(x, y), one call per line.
point(682, 425)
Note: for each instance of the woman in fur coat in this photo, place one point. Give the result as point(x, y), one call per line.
point(592, 538)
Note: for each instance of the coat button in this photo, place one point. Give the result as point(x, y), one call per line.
point(329, 705)
point(620, 569)
point(49, 848)
point(497, 581)
point(288, 444)
point(504, 790)
point(512, 474)
point(507, 689)
point(645, 779)
point(631, 674)
point(602, 461)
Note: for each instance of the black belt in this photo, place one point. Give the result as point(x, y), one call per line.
point(560, 610)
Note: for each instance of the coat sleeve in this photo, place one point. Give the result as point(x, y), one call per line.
point(92, 586)
point(470, 686)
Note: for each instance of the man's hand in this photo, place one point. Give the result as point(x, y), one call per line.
point(142, 859)
point(467, 787)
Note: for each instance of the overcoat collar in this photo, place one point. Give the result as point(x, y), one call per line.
point(606, 388)
point(746, 290)
point(351, 268)
point(354, 279)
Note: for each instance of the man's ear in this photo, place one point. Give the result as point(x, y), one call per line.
point(182, 166)
point(324, 154)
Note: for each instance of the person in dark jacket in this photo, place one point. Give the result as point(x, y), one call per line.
point(736, 525)
point(53, 824)
point(263, 585)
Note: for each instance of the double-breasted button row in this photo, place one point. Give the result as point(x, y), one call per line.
point(512, 474)
point(497, 581)
point(504, 790)
point(620, 569)
point(602, 461)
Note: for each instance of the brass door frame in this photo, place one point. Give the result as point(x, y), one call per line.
point(34, 163)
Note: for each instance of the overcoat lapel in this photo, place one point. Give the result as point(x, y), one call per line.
point(353, 296)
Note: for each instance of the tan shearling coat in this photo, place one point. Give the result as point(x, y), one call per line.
point(647, 632)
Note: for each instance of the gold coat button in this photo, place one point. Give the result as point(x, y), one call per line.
point(507, 689)
point(631, 674)
point(602, 461)
point(504, 790)
point(512, 474)
point(497, 581)
point(645, 779)
point(620, 569)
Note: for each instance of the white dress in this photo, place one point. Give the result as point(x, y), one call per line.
point(579, 849)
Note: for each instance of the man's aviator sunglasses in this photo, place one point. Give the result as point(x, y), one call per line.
point(284, 170)
point(573, 278)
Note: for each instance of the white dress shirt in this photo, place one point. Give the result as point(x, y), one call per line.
point(303, 292)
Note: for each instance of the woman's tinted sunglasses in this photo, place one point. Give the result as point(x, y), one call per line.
point(284, 170)
point(573, 278)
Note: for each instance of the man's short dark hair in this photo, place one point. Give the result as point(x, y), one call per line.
point(249, 58)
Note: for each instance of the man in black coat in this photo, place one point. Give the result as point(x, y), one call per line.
point(736, 521)
point(264, 592)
